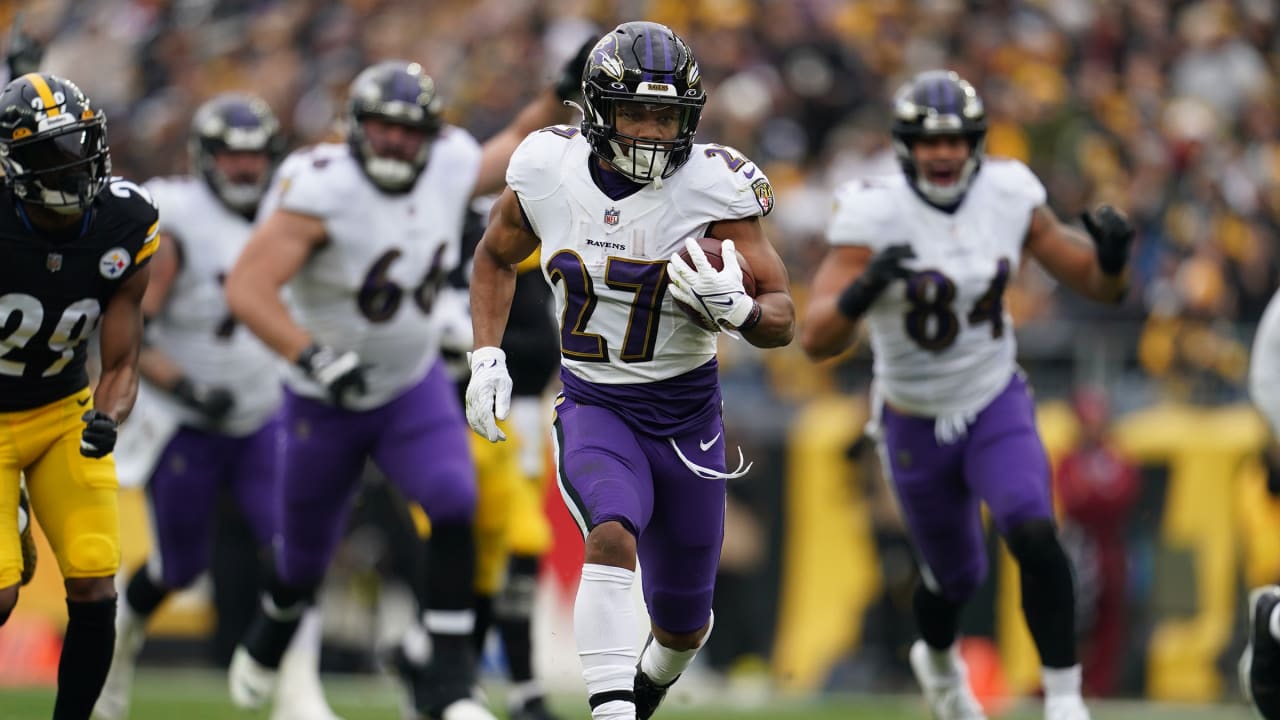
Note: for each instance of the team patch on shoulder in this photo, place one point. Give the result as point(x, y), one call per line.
point(764, 195)
point(114, 262)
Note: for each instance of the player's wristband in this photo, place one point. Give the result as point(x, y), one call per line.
point(857, 298)
point(753, 318)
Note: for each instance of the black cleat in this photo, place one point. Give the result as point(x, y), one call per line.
point(436, 686)
point(534, 708)
point(25, 538)
point(649, 694)
point(1260, 664)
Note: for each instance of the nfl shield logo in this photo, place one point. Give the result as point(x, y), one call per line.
point(53, 262)
point(611, 216)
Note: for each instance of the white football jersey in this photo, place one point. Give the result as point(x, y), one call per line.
point(371, 287)
point(195, 327)
point(943, 342)
point(606, 259)
point(1264, 365)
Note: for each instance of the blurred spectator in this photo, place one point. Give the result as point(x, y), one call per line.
point(1096, 489)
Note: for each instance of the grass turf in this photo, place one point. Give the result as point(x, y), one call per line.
point(202, 695)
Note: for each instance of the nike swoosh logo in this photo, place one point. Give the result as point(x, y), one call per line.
point(83, 402)
point(725, 302)
point(709, 443)
point(750, 173)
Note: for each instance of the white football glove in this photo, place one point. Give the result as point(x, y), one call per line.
point(489, 392)
point(717, 294)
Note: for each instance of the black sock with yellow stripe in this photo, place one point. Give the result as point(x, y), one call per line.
point(86, 657)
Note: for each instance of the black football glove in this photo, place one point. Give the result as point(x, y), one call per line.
point(569, 82)
point(884, 268)
point(1112, 235)
point(212, 401)
point(99, 437)
point(24, 52)
point(340, 373)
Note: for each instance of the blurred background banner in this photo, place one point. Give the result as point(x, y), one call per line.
point(1168, 109)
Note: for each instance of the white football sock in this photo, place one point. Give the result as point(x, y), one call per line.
point(1061, 682)
point(604, 623)
point(416, 644)
point(946, 661)
point(663, 665)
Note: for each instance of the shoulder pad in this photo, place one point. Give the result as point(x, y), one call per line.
point(538, 159)
point(316, 181)
point(730, 179)
point(130, 219)
point(864, 210)
point(1013, 177)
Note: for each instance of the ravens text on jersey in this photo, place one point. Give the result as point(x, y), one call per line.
point(53, 291)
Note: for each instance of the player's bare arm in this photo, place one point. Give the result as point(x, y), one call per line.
point(546, 109)
point(276, 252)
point(827, 332)
point(507, 240)
point(773, 290)
point(121, 338)
point(1071, 257)
point(153, 364)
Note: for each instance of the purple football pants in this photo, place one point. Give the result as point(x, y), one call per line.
point(184, 488)
point(419, 441)
point(1000, 462)
point(609, 471)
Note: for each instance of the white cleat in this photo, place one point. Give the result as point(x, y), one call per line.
point(467, 710)
point(1065, 708)
point(309, 708)
point(131, 632)
point(252, 684)
point(948, 694)
point(299, 695)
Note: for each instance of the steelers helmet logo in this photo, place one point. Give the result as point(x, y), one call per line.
point(113, 263)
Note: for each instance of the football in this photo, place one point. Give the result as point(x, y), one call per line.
point(711, 248)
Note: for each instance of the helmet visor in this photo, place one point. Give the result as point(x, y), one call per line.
point(55, 157)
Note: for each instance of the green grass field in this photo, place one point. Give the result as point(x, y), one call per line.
point(201, 695)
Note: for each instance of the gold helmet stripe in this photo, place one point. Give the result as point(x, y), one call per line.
point(46, 95)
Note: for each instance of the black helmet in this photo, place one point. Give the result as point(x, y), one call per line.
point(53, 144)
point(397, 92)
point(933, 103)
point(234, 122)
point(647, 63)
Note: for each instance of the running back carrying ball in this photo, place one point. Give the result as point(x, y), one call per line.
point(711, 248)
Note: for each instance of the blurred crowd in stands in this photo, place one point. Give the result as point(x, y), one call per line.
point(1166, 108)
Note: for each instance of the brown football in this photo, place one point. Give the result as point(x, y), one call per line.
point(711, 248)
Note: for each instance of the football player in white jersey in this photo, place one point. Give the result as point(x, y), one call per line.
point(954, 416)
point(638, 431)
point(363, 235)
point(1260, 664)
point(205, 415)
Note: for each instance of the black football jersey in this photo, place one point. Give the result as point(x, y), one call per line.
point(54, 290)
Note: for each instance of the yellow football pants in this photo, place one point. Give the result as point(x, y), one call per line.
point(73, 497)
point(509, 515)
